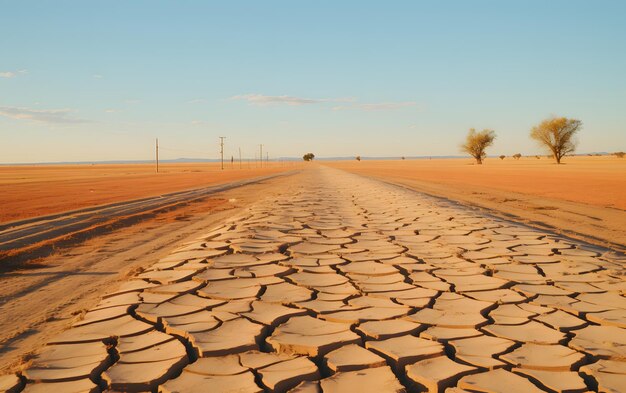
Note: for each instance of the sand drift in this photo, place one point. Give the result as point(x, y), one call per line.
point(348, 284)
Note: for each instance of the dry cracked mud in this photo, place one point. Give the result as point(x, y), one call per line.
point(347, 284)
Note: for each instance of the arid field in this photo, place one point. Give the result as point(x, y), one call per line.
point(320, 280)
point(402, 276)
point(31, 191)
point(586, 195)
point(596, 180)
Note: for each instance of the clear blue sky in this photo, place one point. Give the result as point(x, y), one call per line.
point(85, 80)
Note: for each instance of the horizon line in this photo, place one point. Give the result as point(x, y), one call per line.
point(285, 158)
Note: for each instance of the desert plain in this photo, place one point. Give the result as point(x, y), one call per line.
point(38, 190)
point(374, 276)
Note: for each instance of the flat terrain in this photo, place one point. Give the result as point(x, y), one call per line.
point(585, 197)
point(335, 282)
point(35, 303)
point(32, 191)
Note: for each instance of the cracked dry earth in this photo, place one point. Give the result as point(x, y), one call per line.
point(346, 284)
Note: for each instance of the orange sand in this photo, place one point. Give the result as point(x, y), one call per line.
point(599, 181)
point(31, 191)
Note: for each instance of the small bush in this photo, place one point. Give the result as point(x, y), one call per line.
point(517, 156)
point(358, 158)
point(502, 157)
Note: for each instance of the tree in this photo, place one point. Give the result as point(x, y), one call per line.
point(557, 135)
point(619, 154)
point(358, 158)
point(404, 158)
point(308, 157)
point(502, 157)
point(517, 156)
point(477, 142)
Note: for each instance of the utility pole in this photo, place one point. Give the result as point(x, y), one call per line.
point(261, 155)
point(240, 158)
point(157, 155)
point(222, 150)
point(267, 158)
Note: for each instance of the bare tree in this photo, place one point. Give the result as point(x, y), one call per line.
point(477, 142)
point(557, 135)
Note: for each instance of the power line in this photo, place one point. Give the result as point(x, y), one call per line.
point(183, 150)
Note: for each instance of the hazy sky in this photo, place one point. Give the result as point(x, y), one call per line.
point(84, 80)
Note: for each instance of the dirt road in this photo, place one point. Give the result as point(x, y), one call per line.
point(335, 282)
point(35, 237)
point(41, 299)
point(42, 190)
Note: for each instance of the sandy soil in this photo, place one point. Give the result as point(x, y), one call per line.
point(337, 283)
point(583, 198)
point(31, 191)
point(35, 303)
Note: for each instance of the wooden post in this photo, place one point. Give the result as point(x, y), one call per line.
point(222, 150)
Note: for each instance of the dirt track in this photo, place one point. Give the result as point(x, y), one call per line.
point(341, 283)
point(39, 299)
point(20, 240)
point(42, 190)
